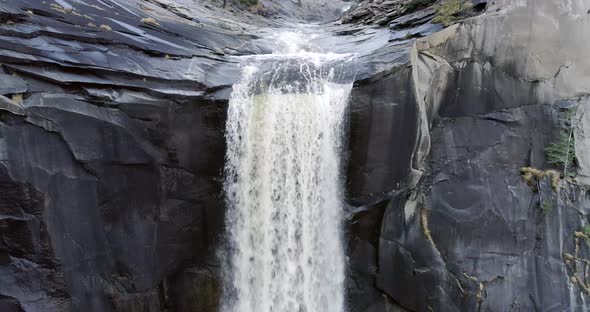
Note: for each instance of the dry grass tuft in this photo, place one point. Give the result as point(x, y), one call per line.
point(424, 221)
point(555, 178)
point(533, 175)
point(17, 98)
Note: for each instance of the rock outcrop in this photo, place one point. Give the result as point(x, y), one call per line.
point(472, 235)
point(112, 145)
point(111, 150)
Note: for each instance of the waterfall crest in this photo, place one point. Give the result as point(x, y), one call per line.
point(283, 183)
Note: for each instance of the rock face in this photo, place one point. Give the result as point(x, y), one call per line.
point(472, 235)
point(112, 146)
point(376, 11)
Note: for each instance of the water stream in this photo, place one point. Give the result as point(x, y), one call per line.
point(283, 181)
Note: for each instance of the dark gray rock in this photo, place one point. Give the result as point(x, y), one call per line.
point(418, 17)
point(472, 235)
point(110, 166)
point(8, 105)
point(415, 32)
point(117, 148)
point(121, 209)
point(196, 290)
point(382, 135)
point(12, 84)
point(10, 304)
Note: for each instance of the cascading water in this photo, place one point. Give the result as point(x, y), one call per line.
point(283, 184)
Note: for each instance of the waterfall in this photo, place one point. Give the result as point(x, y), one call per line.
point(283, 182)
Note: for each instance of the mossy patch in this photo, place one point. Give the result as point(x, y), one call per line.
point(447, 11)
point(546, 207)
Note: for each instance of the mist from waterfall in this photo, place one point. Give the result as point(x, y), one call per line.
point(283, 181)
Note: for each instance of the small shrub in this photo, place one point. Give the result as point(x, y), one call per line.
point(562, 152)
point(447, 10)
point(546, 207)
point(586, 230)
point(414, 5)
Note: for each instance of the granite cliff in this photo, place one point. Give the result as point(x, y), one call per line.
point(112, 118)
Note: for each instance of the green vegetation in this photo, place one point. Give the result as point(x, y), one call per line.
point(414, 5)
point(249, 2)
point(447, 10)
point(546, 207)
point(586, 230)
point(562, 153)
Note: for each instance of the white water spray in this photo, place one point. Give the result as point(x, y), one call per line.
point(283, 183)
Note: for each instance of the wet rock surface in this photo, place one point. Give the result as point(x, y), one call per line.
point(112, 144)
point(112, 117)
point(472, 235)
